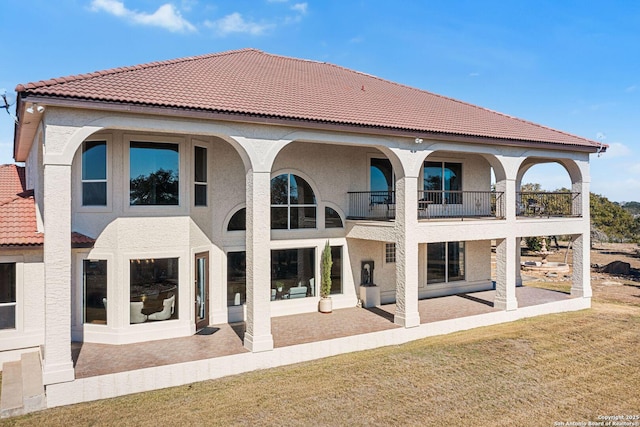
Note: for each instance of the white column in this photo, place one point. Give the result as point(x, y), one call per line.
point(58, 365)
point(407, 314)
point(258, 324)
point(581, 279)
point(518, 261)
point(506, 274)
point(510, 199)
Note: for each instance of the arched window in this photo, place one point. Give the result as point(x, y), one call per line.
point(332, 218)
point(293, 204)
point(238, 220)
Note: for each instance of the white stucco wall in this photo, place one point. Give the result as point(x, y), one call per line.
point(333, 163)
point(29, 331)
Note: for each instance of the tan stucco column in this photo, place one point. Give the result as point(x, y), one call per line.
point(58, 366)
point(506, 274)
point(258, 323)
point(581, 278)
point(406, 252)
point(509, 188)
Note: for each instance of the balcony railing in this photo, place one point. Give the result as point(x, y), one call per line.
point(543, 204)
point(460, 204)
point(381, 205)
point(376, 205)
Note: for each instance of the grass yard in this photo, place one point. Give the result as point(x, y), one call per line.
point(557, 368)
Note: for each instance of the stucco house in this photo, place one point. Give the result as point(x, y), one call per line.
point(161, 198)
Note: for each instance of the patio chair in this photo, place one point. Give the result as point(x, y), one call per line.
point(535, 207)
point(135, 312)
point(168, 306)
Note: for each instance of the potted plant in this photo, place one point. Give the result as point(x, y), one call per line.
point(325, 305)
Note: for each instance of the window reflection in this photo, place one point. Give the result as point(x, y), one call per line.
point(94, 173)
point(95, 291)
point(293, 273)
point(236, 278)
point(153, 289)
point(154, 173)
point(293, 203)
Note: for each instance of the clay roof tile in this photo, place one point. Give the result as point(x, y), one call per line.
point(253, 82)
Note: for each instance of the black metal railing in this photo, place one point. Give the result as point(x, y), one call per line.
point(433, 204)
point(377, 205)
point(381, 205)
point(547, 204)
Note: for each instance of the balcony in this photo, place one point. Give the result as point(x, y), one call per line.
point(540, 204)
point(432, 205)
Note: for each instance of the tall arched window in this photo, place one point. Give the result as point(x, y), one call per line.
point(293, 204)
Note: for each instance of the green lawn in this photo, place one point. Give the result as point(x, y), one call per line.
point(557, 368)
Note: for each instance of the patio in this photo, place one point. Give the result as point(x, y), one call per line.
point(217, 341)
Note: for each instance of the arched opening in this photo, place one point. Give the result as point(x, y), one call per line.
point(548, 188)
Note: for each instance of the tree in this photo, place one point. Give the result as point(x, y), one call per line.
point(157, 188)
point(612, 220)
point(530, 188)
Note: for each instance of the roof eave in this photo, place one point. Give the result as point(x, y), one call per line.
point(25, 131)
point(30, 132)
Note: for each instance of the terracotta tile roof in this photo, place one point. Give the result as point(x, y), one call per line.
point(18, 225)
point(252, 82)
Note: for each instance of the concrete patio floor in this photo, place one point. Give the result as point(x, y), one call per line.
point(226, 339)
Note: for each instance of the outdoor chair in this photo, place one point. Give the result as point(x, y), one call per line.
point(535, 207)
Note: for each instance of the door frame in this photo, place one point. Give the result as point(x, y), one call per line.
point(201, 323)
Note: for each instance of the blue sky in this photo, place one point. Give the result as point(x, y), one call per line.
point(570, 65)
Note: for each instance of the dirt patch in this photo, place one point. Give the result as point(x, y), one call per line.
point(607, 287)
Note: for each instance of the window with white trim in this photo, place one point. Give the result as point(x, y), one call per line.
point(8, 295)
point(293, 203)
point(390, 253)
point(94, 173)
point(445, 262)
point(442, 182)
point(200, 176)
point(154, 172)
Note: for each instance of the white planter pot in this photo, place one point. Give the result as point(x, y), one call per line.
point(325, 305)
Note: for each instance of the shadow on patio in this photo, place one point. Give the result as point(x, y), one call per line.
point(225, 339)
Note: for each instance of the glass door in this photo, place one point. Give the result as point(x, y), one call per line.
point(202, 289)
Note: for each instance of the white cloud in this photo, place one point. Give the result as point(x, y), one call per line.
point(301, 8)
point(617, 150)
point(474, 74)
point(167, 16)
point(357, 39)
point(235, 23)
point(631, 88)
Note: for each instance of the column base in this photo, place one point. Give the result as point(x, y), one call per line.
point(407, 320)
point(258, 344)
point(581, 293)
point(58, 373)
point(505, 304)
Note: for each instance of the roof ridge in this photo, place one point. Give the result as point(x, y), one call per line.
point(118, 70)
